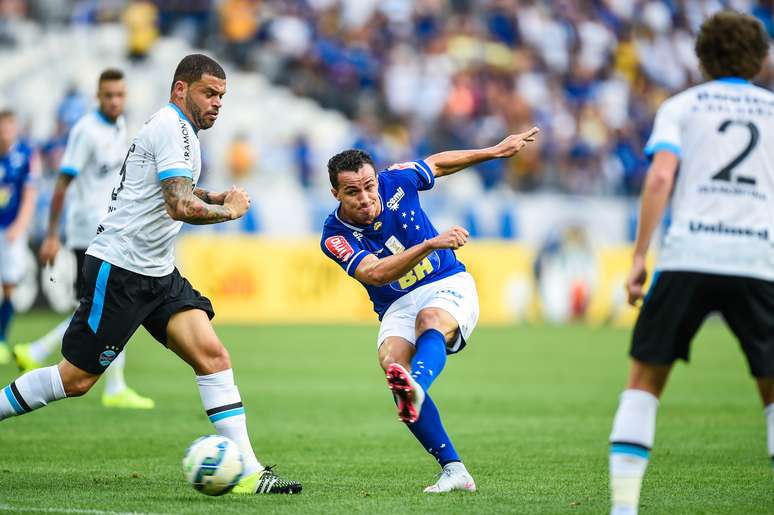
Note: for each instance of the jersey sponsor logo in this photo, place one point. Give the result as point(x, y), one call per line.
point(339, 247)
point(358, 235)
point(394, 201)
point(186, 139)
point(395, 246)
point(728, 230)
point(417, 274)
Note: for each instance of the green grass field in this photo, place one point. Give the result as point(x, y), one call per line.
point(529, 409)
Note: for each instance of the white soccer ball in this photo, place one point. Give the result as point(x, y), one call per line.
point(213, 465)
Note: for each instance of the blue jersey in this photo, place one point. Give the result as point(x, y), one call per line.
point(401, 224)
point(16, 171)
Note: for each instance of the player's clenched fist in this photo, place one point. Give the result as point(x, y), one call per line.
point(454, 238)
point(238, 201)
point(48, 250)
point(515, 142)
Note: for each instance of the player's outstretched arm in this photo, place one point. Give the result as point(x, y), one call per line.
point(184, 206)
point(378, 272)
point(655, 195)
point(452, 161)
point(50, 247)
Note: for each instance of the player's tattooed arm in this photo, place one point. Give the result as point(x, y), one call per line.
point(182, 204)
point(210, 197)
point(379, 272)
point(452, 161)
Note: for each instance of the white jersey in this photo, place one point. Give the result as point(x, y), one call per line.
point(137, 234)
point(95, 150)
point(723, 200)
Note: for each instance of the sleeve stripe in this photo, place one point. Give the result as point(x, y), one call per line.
point(354, 260)
point(662, 145)
point(69, 170)
point(423, 166)
point(175, 172)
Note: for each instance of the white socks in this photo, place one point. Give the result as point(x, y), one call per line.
point(634, 430)
point(31, 391)
point(42, 347)
point(221, 400)
point(769, 414)
point(114, 375)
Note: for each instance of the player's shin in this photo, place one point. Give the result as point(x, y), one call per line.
point(429, 359)
point(6, 313)
point(769, 413)
point(31, 391)
point(634, 430)
point(223, 405)
point(430, 432)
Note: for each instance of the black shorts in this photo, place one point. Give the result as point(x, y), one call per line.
point(115, 303)
point(80, 256)
point(678, 303)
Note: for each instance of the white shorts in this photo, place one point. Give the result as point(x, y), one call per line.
point(455, 294)
point(13, 262)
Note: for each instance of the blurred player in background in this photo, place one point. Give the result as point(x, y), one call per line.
point(717, 255)
point(426, 301)
point(19, 171)
point(92, 161)
point(130, 277)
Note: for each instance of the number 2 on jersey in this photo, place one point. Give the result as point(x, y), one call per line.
point(724, 174)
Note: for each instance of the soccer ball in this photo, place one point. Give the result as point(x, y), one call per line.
point(213, 465)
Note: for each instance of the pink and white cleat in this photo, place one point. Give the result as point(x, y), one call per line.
point(454, 476)
point(408, 393)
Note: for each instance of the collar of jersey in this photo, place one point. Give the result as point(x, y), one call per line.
point(733, 80)
point(104, 119)
point(184, 117)
point(355, 227)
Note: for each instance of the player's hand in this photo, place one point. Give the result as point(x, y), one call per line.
point(453, 239)
point(238, 201)
point(48, 250)
point(636, 281)
point(515, 142)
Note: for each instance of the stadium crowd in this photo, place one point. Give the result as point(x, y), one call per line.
point(419, 76)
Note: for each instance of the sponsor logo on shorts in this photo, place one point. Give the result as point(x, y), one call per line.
point(107, 356)
point(339, 247)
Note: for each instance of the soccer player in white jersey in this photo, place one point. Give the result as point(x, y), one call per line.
point(92, 160)
point(717, 255)
point(130, 275)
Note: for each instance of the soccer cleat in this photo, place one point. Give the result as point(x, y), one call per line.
point(5, 353)
point(127, 398)
point(266, 481)
point(454, 476)
point(24, 359)
point(408, 393)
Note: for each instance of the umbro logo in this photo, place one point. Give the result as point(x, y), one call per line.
point(394, 201)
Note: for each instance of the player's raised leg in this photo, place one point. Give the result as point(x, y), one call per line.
point(766, 389)
point(191, 336)
point(41, 386)
point(634, 430)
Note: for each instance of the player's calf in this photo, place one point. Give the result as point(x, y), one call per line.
point(31, 391)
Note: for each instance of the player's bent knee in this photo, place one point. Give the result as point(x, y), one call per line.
point(428, 319)
point(213, 358)
point(78, 386)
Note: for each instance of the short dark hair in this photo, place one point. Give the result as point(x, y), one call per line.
point(7, 113)
point(193, 66)
point(732, 44)
point(110, 74)
point(348, 161)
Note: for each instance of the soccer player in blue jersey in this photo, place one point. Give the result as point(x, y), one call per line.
point(426, 301)
point(19, 169)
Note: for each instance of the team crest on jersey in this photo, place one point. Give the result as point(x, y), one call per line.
point(339, 247)
point(394, 201)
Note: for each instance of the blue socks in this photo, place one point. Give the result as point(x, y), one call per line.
point(429, 359)
point(426, 366)
point(6, 313)
point(431, 434)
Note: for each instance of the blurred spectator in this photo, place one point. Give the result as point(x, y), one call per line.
point(239, 22)
point(141, 19)
point(241, 160)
